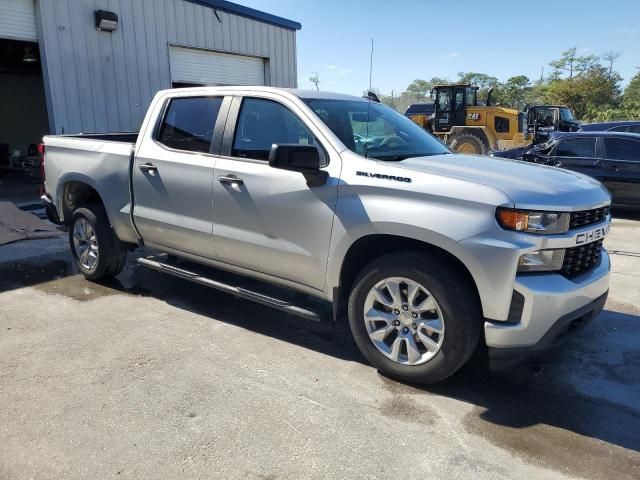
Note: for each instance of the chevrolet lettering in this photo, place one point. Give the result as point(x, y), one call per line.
point(593, 235)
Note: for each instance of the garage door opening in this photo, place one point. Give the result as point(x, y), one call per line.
point(192, 67)
point(24, 113)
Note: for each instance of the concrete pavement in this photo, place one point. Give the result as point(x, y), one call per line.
point(153, 377)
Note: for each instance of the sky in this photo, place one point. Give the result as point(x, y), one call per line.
point(424, 38)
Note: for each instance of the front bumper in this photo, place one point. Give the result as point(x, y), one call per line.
point(554, 307)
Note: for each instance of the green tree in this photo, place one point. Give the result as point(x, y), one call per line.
point(632, 92)
point(514, 91)
point(610, 58)
point(572, 64)
point(315, 79)
point(419, 89)
point(592, 89)
point(481, 80)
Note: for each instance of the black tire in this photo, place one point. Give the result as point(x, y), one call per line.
point(470, 144)
point(111, 254)
point(454, 294)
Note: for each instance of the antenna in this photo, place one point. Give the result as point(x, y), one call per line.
point(371, 65)
point(366, 140)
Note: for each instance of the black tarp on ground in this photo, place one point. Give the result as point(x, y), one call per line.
point(18, 225)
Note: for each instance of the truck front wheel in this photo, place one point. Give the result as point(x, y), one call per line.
point(94, 246)
point(415, 317)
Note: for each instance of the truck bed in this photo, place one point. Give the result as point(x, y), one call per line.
point(101, 161)
point(126, 137)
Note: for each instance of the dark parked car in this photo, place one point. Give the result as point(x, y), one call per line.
point(630, 126)
point(613, 158)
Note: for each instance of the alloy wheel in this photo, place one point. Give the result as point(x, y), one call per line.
point(404, 321)
point(85, 244)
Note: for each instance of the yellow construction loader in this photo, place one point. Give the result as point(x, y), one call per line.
point(468, 127)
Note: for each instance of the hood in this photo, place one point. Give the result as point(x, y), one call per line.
point(511, 153)
point(529, 186)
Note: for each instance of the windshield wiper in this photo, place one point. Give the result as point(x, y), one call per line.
point(397, 158)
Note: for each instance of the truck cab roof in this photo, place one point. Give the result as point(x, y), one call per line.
point(303, 94)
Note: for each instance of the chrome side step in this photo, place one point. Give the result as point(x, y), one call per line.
point(236, 291)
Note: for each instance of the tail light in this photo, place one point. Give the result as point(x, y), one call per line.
point(42, 174)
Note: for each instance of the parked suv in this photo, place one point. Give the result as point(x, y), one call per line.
point(612, 157)
point(427, 253)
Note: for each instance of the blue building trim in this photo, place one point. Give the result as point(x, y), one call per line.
point(249, 13)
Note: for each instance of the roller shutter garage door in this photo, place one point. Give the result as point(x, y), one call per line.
point(18, 20)
point(190, 65)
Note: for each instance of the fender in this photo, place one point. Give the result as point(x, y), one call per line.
point(493, 305)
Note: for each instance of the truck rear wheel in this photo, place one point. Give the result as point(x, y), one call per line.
point(94, 245)
point(470, 144)
point(415, 318)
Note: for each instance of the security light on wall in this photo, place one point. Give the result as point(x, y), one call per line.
point(106, 21)
point(28, 56)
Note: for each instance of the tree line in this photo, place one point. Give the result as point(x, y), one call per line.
point(588, 84)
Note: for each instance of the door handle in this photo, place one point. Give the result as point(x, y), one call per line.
point(148, 167)
point(615, 168)
point(230, 179)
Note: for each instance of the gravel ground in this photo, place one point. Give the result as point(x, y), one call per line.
point(152, 377)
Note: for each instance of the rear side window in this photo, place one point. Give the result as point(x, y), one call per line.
point(577, 147)
point(188, 123)
point(501, 124)
point(262, 123)
point(622, 149)
point(634, 129)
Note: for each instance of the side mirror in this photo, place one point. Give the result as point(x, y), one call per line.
point(294, 157)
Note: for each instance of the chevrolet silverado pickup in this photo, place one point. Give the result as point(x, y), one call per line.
point(299, 194)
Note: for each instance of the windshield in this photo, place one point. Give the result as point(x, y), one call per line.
point(374, 130)
point(566, 115)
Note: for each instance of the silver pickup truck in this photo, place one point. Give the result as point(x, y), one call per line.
point(428, 254)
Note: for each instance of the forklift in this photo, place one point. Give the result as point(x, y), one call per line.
point(471, 128)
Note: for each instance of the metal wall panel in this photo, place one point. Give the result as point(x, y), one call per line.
point(18, 20)
point(101, 82)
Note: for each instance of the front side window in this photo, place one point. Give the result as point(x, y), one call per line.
point(621, 128)
point(577, 147)
point(444, 100)
point(472, 96)
point(566, 115)
point(622, 149)
point(459, 99)
point(375, 130)
point(188, 123)
point(634, 129)
point(262, 123)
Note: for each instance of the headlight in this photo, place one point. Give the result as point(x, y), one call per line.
point(533, 222)
point(541, 261)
